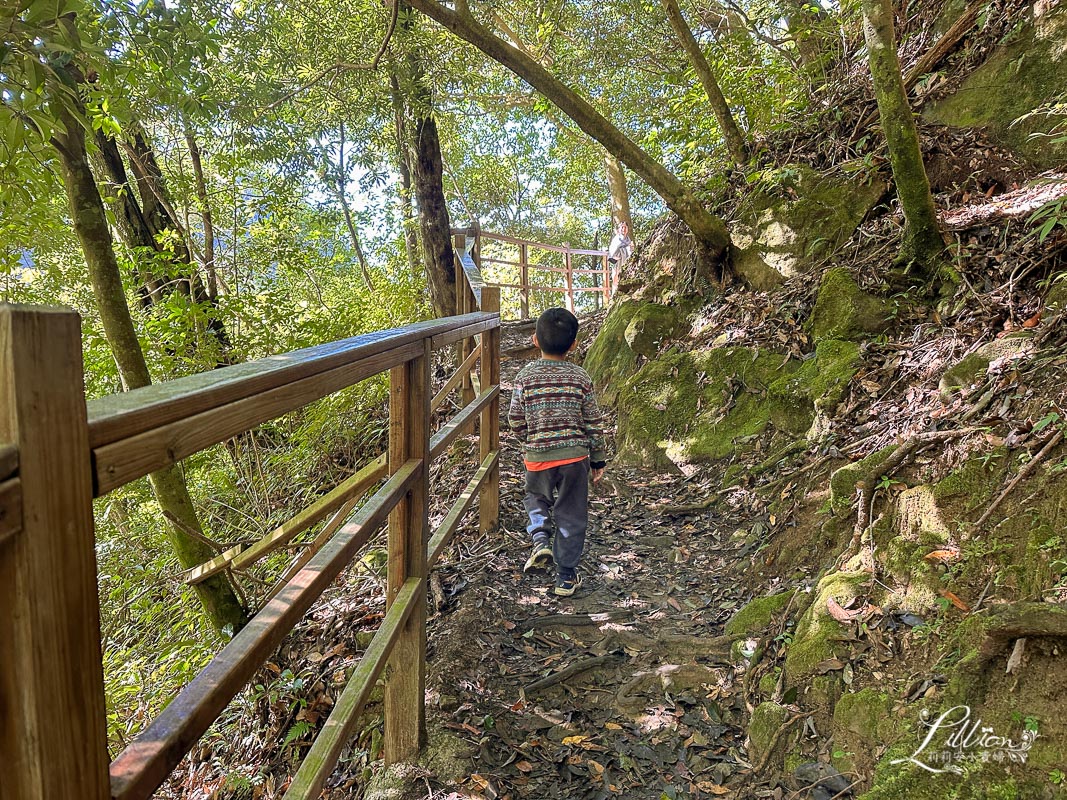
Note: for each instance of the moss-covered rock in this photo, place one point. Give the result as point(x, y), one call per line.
point(685, 408)
point(650, 326)
point(972, 367)
point(862, 725)
point(844, 311)
point(610, 361)
point(816, 634)
point(796, 217)
point(757, 614)
point(766, 719)
point(1007, 93)
point(818, 385)
point(844, 479)
point(445, 756)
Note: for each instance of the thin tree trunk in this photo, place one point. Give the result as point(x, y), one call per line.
point(90, 224)
point(620, 198)
point(735, 141)
point(427, 172)
point(923, 243)
point(407, 213)
point(352, 232)
point(709, 230)
point(205, 213)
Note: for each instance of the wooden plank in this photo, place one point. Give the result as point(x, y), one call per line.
point(9, 460)
point(555, 248)
point(10, 507)
point(409, 438)
point(53, 729)
point(321, 759)
point(489, 428)
point(456, 378)
point(447, 529)
point(127, 414)
point(460, 423)
point(466, 332)
point(242, 556)
point(126, 460)
point(570, 285)
point(524, 281)
point(323, 536)
point(474, 278)
point(145, 764)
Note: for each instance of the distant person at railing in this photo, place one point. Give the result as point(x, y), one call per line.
point(554, 415)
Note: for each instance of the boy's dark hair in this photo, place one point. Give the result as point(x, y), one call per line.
point(557, 329)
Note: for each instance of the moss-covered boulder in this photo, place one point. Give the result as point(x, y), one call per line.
point(686, 408)
point(818, 385)
point(610, 361)
point(844, 479)
point(796, 217)
point(973, 367)
point(844, 311)
point(1009, 92)
point(862, 725)
point(757, 614)
point(651, 326)
point(817, 632)
point(763, 726)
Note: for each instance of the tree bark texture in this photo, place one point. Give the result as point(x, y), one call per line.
point(735, 140)
point(407, 214)
point(923, 243)
point(427, 174)
point(90, 225)
point(709, 230)
point(620, 198)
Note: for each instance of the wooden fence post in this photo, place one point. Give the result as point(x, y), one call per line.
point(607, 280)
point(489, 439)
point(524, 282)
point(570, 281)
point(53, 730)
point(409, 438)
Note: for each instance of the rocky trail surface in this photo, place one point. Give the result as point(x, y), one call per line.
point(626, 689)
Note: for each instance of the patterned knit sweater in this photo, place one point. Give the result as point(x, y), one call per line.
point(554, 413)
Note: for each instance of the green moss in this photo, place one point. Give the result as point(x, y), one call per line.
point(816, 634)
point(610, 361)
point(844, 311)
point(1022, 76)
point(973, 366)
point(818, 385)
point(650, 327)
point(766, 719)
point(694, 407)
point(976, 480)
point(757, 614)
point(768, 683)
point(844, 479)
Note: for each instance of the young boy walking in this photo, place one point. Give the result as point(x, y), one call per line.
point(554, 413)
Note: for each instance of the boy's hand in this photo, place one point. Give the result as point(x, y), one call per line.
point(597, 474)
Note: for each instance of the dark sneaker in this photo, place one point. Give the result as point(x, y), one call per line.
point(540, 558)
point(567, 583)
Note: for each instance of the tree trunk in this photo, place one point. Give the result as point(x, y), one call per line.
point(407, 213)
point(709, 230)
point(620, 198)
point(349, 221)
point(735, 141)
point(90, 225)
point(427, 172)
point(809, 25)
point(923, 244)
point(205, 214)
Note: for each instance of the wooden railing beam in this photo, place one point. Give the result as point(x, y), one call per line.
point(489, 429)
point(53, 729)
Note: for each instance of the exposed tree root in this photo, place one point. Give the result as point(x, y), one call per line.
point(1050, 444)
point(1021, 620)
point(576, 668)
point(668, 677)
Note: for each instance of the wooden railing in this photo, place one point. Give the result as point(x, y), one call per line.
point(520, 258)
point(57, 453)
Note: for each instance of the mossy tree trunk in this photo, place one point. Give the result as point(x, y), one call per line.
point(735, 140)
point(427, 175)
point(90, 224)
point(710, 231)
point(923, 243)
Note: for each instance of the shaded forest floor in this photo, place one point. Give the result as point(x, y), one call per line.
point(624, 690)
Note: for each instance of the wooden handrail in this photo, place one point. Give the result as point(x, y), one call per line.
point(470, 257)
point(125, 436)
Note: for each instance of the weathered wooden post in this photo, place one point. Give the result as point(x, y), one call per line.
point(53, 731)
point(489, 440)
point(607, 280)
point(409, 438)
point(524, 281)
point(570, 281)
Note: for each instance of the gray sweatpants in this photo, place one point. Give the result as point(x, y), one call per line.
point(559, 495)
